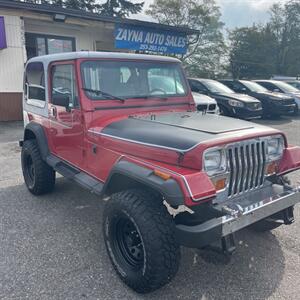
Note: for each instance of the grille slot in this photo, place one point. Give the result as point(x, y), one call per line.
point(246, 162)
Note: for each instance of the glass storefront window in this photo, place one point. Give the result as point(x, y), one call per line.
point(41, 46)
point(58, 46)
point(38, 44)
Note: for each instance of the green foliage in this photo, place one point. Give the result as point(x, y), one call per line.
point(112, 8)
point(204, 54)
point(252, 52)
point(262, 51)
point(120, 8)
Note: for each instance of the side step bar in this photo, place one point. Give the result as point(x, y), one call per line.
point(70, 172)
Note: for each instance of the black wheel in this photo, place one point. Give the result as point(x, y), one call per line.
point(38, 176)
point(140, 241)
point(265, 225)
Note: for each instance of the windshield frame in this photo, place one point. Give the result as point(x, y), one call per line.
point(217, 83)
point(248, 83)
point(135, 97)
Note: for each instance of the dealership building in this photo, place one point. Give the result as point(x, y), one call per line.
point(28, 30)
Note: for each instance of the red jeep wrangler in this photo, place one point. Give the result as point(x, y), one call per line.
point(125, 127)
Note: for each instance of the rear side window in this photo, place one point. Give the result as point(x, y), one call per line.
point(35, 84)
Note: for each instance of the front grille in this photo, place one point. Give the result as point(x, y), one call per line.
point(247, 162)
point(287, 102)
point(254, 105)
point(212, 107)
point(202, 107)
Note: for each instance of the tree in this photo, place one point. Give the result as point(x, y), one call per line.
point(120, 8)
point(285, 24)
point(252, 52)
point(203, 57)
point(112, 8)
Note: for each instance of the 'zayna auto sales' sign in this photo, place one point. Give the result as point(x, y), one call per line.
point(2, 34)
point(145, 39)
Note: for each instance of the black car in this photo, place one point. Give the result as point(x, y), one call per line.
point(230, 103)
point(274, 104)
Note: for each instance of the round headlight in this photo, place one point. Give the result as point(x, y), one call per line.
point(236, 103)
point(275, 148)
point(215, 162)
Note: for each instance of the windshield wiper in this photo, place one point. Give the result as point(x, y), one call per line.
point(99, 92)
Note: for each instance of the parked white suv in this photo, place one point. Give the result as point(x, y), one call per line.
point(206, 103)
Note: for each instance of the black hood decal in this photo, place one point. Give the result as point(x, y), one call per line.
point(177, 131)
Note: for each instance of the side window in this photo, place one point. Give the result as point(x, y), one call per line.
point(35, 84)
point(64, 87)
point(238, 87)
point(267, 85)
point(198, 87)
point(228, 83)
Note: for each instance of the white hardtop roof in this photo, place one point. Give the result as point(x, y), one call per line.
point(46, 59)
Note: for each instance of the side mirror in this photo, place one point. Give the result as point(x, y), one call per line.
point(61, 100)
point(276, 90)
point(243, 89)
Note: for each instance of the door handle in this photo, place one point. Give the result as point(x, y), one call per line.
point(53, 111)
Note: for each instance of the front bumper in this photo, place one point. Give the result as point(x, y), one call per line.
point(247, 113)
point(247, 210)
point(281, 109)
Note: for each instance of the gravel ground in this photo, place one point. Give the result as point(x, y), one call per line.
point(52, 248)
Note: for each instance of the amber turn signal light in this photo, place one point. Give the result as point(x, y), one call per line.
point(162, 175)
point(220, 184)
point(271, 168)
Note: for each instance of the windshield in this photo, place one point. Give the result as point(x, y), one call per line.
point(132, 79)
point(254, 87)
point(217, 87)
point(287, 88)
point(295, 84)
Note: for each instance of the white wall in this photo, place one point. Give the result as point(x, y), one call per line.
point(12, 58)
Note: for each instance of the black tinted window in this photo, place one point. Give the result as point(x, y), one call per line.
point(196, 86)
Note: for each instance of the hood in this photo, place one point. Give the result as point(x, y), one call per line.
point(203, 99)
point(295, 94)
point(280, 96)
point(179, 131)
point(240, 97)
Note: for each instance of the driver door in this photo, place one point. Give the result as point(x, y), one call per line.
point(66, 128)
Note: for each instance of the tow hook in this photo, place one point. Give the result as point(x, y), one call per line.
point(288, 215)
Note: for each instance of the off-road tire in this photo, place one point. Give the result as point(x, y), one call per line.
point(159, 253)
point(38, 176)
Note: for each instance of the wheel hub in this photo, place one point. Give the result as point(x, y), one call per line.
point(129, 243)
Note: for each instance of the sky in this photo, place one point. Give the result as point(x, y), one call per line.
point(236, 13)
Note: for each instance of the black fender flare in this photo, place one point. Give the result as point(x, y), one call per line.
point(35, 130)
point(169, 188)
